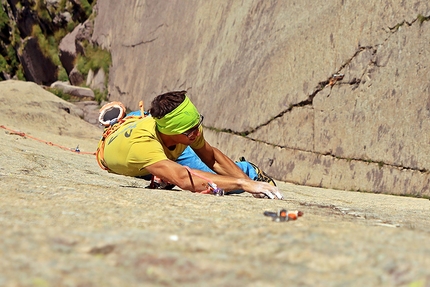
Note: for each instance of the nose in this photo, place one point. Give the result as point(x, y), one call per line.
point(194, 134)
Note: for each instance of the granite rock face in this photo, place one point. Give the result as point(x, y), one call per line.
point(261, 71)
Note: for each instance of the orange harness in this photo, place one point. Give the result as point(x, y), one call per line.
point(101, 147)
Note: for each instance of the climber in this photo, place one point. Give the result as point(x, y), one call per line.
point(171, 137)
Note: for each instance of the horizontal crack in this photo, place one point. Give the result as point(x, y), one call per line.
point(321, 85)
point(379, 163)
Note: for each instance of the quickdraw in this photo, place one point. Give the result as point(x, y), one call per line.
point(212, 188)
point(334, 79)
point(283, 215)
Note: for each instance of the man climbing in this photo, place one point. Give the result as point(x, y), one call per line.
point(169, 145)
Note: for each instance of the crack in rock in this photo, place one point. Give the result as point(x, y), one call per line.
point(139, 43)
point(119, 91)
point(144, 42)
point(353, 82)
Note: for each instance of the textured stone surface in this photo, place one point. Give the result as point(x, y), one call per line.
point(313, 169)
point(97, 81)
point(261, 69)
point(66, 222)
point(380, 120)
point(69, 49)
point(90, 112)
point(80, 92)
point(28, 106)
point(297, 128)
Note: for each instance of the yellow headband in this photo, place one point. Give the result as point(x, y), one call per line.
point(180, 120)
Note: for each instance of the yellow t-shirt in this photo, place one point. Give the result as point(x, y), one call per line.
point(137, 144)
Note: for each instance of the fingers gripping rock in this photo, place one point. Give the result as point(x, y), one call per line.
point(268, 191)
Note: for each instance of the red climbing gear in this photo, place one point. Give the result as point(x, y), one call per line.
point(283, 215)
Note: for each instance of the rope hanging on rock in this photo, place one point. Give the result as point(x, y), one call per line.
point(24, 135)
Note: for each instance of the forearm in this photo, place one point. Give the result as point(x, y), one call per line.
point(223, 165)
point(227, 183)
point(196, 180)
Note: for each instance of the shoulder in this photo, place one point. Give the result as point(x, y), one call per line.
point(199, 142)
point(144, 125)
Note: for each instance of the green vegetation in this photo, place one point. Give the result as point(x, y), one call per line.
point(48, 45)
point(59, 93)
point(4, 19)
point(62, 75)
point(20, 73)
point(100, 96)
point(42, 11)
point(49, 34)
point(9, 62)
point(3, 64)
point(94, 59)
point(15, 37)
point(421, 19)
point(88, 8)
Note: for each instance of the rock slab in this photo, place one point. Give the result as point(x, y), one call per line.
point(66, 222)
point(262, 70)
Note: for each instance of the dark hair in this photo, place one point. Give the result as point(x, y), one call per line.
point(165, 103)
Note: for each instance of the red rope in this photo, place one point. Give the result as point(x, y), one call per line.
point(212, 187)
point(46, 142)
point(201, 176)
